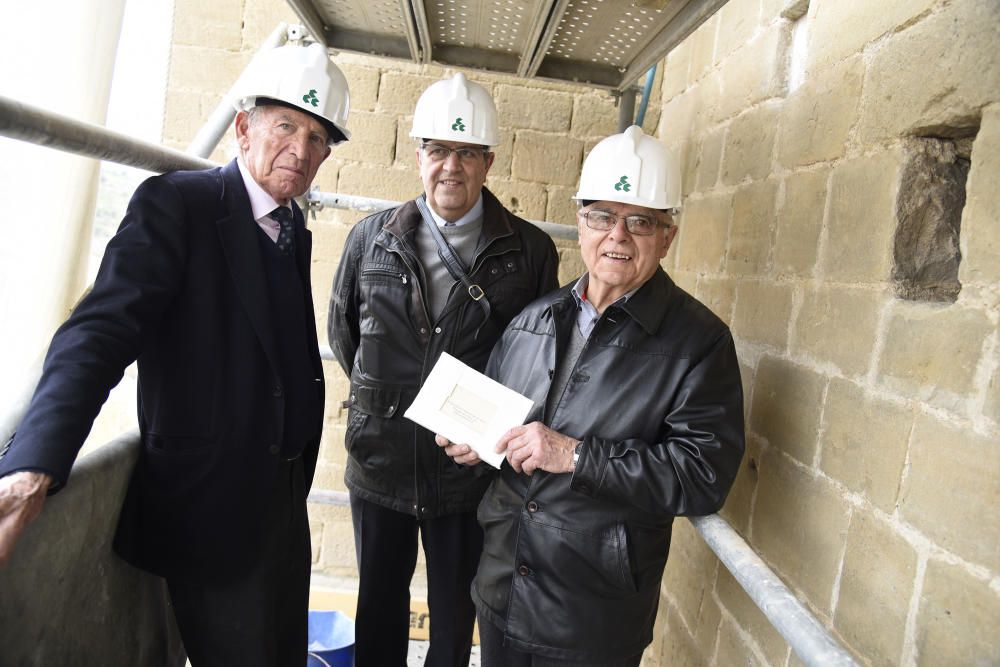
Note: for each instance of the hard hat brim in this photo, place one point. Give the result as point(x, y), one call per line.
point(334, 134)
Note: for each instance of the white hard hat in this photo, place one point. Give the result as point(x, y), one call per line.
point(302, 77)
point(632, 168)
point(456, 109)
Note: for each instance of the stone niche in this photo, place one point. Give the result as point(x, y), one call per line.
point(926, 252)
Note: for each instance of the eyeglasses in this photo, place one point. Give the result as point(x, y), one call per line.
point(439, 153)
point(640, 225)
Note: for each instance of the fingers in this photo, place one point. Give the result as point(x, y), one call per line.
point(458, 453)
point(22, 495)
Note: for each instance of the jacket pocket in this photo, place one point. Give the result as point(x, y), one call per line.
point(376, 401)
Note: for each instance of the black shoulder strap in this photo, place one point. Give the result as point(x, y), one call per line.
point(452, 261)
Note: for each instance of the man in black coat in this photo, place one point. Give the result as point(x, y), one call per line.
point(206, 285)
point(637, 419)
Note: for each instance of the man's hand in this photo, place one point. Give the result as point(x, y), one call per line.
point(463, 454)
point(22, 495)
point(535, 446)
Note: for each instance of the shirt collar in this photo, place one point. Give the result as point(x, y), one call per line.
point(261, 203)
point(580, 293)
point(474, 213)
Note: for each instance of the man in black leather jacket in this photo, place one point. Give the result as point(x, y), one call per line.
point(638, 418)
point(394, 309)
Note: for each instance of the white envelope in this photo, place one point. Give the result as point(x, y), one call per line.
point(467, 407)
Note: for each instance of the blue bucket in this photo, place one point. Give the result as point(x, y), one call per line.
point(331, 639)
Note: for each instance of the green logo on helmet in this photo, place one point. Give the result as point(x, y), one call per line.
point(623, 185)
point(458, 125)
point(310, 98)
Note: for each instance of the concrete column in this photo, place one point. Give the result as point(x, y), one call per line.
point(58, 55)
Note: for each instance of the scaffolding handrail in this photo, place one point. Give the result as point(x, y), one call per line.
point(804, 633)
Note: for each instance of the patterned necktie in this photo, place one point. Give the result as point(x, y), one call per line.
point(286, 235)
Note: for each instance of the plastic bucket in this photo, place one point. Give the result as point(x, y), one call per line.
point(331, 639)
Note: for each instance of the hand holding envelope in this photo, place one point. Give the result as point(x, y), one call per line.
point(465, 406)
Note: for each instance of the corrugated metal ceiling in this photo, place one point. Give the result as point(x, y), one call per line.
point(603, 43)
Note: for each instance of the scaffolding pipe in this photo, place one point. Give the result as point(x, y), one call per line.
point(211, 133)
point(25, 122)
point(319, 200)
point(806, 635)
point(626, 108)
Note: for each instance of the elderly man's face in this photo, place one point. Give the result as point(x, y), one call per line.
point(618, 260)
point(452, 183)
point(282, 149)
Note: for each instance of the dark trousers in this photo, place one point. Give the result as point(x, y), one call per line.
point(260, 619)
point(493, 653)
point(386, 543)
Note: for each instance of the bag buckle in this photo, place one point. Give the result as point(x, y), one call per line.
point(476, 292)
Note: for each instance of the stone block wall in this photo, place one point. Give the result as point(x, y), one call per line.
point(830, 149)
point(545, 130)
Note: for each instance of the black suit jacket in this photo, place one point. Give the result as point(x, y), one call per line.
point(182, 289)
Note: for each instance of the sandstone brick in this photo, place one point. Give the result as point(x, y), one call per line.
point(338, 552)
point(734, 648)
point(690, 571)
point(687, 156)
point(689, 113)
point(861, 219)
point(799, 223)
point(676, 67)
point(571, 264)
point(800, 526)
point(526, 200)
point(326, 177)
point(951, 479)
point(838, 324)
point(740, 499)
point(877, 583)
point(901, 96)
point(260, 18)
point(533, 109)
point(738, 21)
point(816, 119)
point(546, 158)
point(980, 237)
point(763, 311)
point(709, 160)
point(932, 352)
point(752, 229)
point(184, 113)
point(703, 48)
point(381, 182)
point(718, 294)
point(786, 407)
point(704, 227)
point(992, 407)
point(405, 151)
point(864, 442)
point(363, 84)
point(957, 618)
point(757, 71)
point(594, 115)
point(560, 206)
point(398, 93)
point(197, 23)
point(753, 621)
point(839, 29)
point(503, 154)
point(678, 646)
point(749, 145)
point(373, 138)
point(205, 70)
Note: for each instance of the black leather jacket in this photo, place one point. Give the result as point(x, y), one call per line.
point(382, 336)
point(572, 563)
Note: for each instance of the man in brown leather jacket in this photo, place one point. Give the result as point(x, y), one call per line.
point(638, 419)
